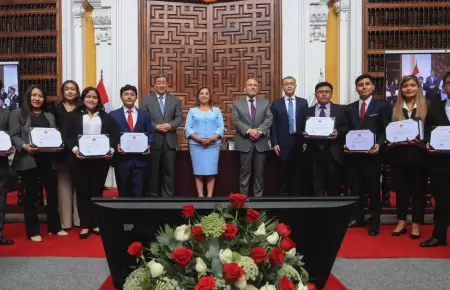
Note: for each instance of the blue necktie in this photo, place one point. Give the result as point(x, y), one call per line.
point(291, 117)
point(161, 104)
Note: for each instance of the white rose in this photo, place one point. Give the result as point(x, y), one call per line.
point(291, 253)
point(182, 233)
point(273, 238)
point(261, 231)
point(156, 269)
point(241, 283)
point(225, 256)
point(268, 287)
point(302, 287)
point(200, 266)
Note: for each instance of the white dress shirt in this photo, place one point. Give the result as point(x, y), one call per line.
point(369, 99)
point(286, 101)
point(91, 126)
point(134, 114)
point(407, 109)
point(327, 110)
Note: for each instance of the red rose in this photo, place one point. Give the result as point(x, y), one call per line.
point(232, 272)
point(251, 216)
point(230, 232)
point(237, 200)
point(287, 244)
point(258, 255)
point(277, 256)
point(205, 283)
point(286, 284)
point(188, 211)
point(198, 234)
point(182, 256)
point(312, 286)
point(136, 249)
point(284, 230)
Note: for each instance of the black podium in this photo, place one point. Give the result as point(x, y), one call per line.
point(318, 226)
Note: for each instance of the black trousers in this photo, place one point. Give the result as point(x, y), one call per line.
point(130, 180)
point(364, 174)
point(327, 173)
point(290, 172)
point(441, 187)
point(4, 175)
point(162, 171)
point(410, 183)
point(89, 177)
point(48, 178)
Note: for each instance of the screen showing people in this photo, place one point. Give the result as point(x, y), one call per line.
point(9, 80)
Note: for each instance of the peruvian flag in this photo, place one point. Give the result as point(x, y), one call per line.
point(104, 95)
point(415, 70)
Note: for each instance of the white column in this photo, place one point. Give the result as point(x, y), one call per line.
point(67, 28)
point(355, 44)
point(78, 54)
point(342, 7)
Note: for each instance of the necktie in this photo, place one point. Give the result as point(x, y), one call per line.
point(252, 109)
point(130, 120)
point(322, 111)
point(362, 112)
point(291, 117)
point(161, 104)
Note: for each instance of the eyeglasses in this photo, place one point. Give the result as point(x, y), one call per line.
point(287, 84)
point(324, 92)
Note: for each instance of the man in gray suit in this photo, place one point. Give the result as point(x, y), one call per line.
point(4, 175)
point(252, 118)
point(165, 113)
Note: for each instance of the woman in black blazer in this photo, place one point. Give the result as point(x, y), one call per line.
point(89, 175)
point(34, 165)
point(408, 159)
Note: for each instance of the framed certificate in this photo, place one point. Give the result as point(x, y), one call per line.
point(134, 142)
point(46, 139)
point(404, 130)
point(94, 146)
point(440, 138)
point(359, 140)
point(319, 127)
point(5, 143)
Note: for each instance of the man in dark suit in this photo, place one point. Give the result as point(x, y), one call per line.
point(251, 117)
point(289, 114)
point(365, 168)
point(327, 155)
point(130, 168)
point(439, 115)
point(4, 175)
point(433, 81)
point(165, 113)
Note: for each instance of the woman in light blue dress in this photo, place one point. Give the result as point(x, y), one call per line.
point(204, 128)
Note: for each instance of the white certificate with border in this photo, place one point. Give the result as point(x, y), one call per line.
point(46, 138)
point(440, 138)
point(5, 143)
point(94, 145)
point(319, 126)
point(134, 142)
point(404, 130)
point(359, 140)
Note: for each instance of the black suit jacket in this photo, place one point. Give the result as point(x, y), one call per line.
point(437, 116)
point(335, 146)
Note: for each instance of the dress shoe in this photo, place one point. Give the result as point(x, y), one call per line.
point(402, 232)
point(414, 237)
point(96, 232)
point(84, 236)
point(356, 224)
point(432, 243)
point(5, 242)
point(374, 231)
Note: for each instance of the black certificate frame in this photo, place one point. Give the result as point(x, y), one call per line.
point(349, 151)
point(133, 153)
point(420, 128)
point(45, 149)
point(431, 147)
point(94, 156)
point(316, 137)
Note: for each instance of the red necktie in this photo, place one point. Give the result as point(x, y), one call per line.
point(130, 120)
point(362, 112)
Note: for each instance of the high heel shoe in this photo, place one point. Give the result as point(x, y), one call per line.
point(36, 239)
point(414, 237)
point(402, 232)
point(84, 236)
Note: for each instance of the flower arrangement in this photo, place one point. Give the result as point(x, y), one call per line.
point(231, 248)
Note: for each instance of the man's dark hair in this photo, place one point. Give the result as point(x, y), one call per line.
point(420, 78)
point(1, 84)
point(446, 76)
point(128, 88)
point(323, 84)
point(288, 77)
point(160, 76)
point(364, 76)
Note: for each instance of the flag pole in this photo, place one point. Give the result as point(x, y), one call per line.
point(101, 74)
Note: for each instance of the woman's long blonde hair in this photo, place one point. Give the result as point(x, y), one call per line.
point(421, 102)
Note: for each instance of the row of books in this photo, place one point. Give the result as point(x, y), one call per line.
point(19, 45)
point(376, 62)
point(49, 86)
point(27, 6)
point(28, 23)
point(409, 16)
point(407, 1)
point(408, 39)
point(38, 66)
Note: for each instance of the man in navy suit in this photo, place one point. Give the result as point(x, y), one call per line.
point(364, 169)
point(289, 113)
point(130, 168)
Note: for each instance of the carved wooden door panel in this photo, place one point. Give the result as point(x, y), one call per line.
point(216, 45)
point(440, 63)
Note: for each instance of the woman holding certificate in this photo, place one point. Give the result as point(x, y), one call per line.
point(33, 164)
point(408, 157)
point(91, 134)
point(204, 129)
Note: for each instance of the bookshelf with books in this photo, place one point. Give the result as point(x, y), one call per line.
point(30, 32)
point(401, 25)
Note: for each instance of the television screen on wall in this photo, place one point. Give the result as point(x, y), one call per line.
point(428, 65)
point(9, 85)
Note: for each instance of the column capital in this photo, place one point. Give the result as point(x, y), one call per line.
point(342, 7)
point(78, 10)
point(101, 17)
